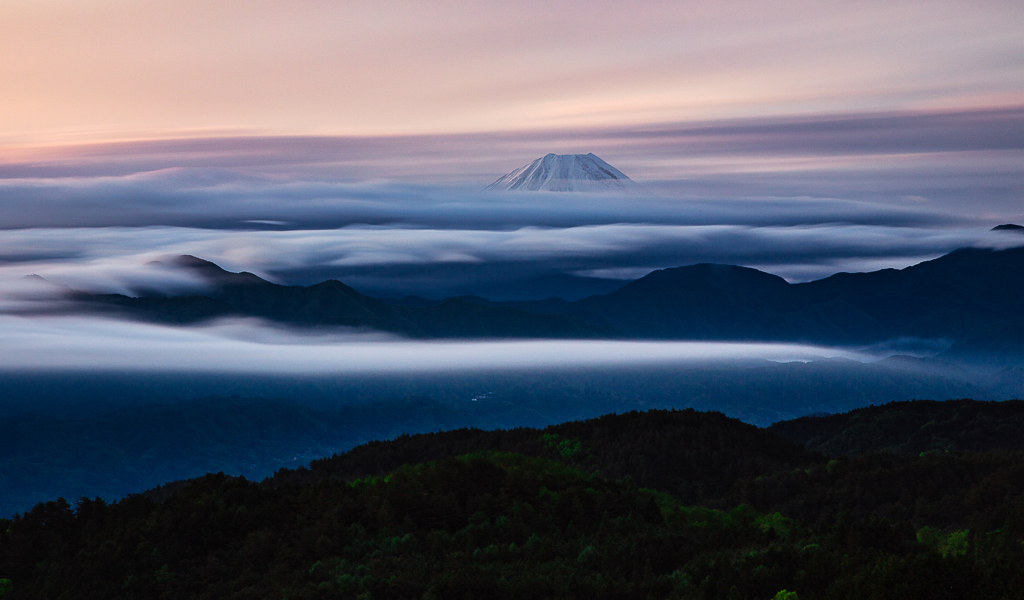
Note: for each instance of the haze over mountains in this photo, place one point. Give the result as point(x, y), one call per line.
point(970, 301)
point(333, 303)
point(965, 307)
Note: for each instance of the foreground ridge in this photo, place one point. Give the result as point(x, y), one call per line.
point(551, 522)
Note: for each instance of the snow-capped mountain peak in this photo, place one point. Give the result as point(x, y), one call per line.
point(567, 173)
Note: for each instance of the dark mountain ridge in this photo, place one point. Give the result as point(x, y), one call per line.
point(695, 455)
point(333, 303)
point(971, 300)
point(950, 297)
point(912, 427)
point(553, 513)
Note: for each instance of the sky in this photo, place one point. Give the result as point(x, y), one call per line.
point(118, 69)
point(309, 139)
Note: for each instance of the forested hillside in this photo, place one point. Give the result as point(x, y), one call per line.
point(913, 427)
point(658, 504)
point(112, 435)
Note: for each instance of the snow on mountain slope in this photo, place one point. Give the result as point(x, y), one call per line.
point(567, 173)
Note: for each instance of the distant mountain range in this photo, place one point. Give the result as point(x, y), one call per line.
point(567, 173)
point(971, 300)
point(333, 303)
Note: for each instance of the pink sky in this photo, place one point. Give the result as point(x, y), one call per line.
point(86, 70)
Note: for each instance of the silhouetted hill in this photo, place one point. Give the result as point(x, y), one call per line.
point(971, 299)
point(912, 427)
point(717, 302)
point(564, 518)
point(968, 294)
point(333, 303)
point(950, 296)
point(411, 301)
point(695, 455)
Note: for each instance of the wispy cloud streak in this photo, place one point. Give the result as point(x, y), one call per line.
point(440, 262)
point(802, 197)
point(642, 148)
point(248, 347)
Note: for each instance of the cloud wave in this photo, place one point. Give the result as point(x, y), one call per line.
point(65, 343)
point(801, 196)
point(439, 262)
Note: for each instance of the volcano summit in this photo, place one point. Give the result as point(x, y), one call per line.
point(567, 173)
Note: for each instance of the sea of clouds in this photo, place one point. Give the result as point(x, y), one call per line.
point(801, 197)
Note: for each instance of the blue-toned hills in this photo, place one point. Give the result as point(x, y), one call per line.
point(969, 303)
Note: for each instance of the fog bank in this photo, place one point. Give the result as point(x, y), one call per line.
point(245, 346)
point(521, 263)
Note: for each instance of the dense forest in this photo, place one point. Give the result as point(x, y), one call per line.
point(656, 504)
point(910, 428)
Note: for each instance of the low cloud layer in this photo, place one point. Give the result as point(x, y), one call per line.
point(65, 343)
point(222, 199)
point(801, 197)
point(444, 262)
point(932, 161)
